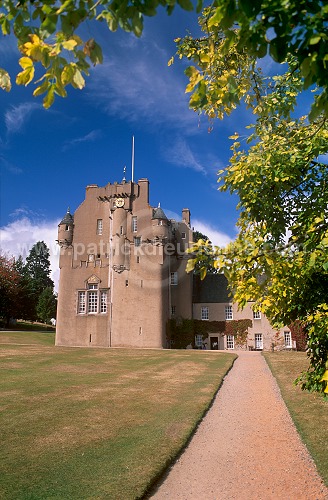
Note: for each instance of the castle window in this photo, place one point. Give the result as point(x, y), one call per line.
point(204, 313)
point(81, 305)
point(103, 301)
point(99, 226)
point(91, 257)
point(174, 278)
point(173, 310)
point(138, 260)
point(258, 340)
point(256, 315)
point(199, 340)
point(230, 342)
point(66, 228)
point(183, 236)
point(92, 299)
point(137, 241)
point(134, 224)
point(288, 340)
point(121, 230)
point(228, 312)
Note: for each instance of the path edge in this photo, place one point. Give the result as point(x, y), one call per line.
point(159, 478)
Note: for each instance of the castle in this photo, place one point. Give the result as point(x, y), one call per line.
point(122, 278)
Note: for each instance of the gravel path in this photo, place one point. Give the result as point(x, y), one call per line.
point(246, 447)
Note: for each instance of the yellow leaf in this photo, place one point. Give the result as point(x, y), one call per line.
point(78, 80)
point(5, 82)
point(171, 61)
point(49, 98)
point(69, 44)
point(25, 62)
point(25, 77)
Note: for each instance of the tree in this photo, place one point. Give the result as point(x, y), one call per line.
point(38, 268)
point(46, 34)
point(24, 292)
point(279, 173)
point(47, 305)
point(9, 280)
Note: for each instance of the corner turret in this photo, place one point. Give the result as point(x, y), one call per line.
point(65, 230)
point(160, 223)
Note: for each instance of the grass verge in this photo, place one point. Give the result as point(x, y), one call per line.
point(96, 423)
point(308, 410)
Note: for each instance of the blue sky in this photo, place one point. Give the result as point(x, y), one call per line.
point(48, 157)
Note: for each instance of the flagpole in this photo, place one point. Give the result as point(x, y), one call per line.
point(132, 176)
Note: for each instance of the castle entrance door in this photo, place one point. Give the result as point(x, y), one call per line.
point(214, 343)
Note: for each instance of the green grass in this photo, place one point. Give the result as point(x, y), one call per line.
point(309, 411)
point(96, 423)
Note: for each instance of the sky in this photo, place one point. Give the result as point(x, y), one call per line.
point(48, 157)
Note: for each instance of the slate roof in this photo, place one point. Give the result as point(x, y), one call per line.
point(214, 288)
point(68, 218)
point(158, 213)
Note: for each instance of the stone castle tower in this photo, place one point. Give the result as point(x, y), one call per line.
point(122, 269)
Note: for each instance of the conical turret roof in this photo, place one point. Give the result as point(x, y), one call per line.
point(68, 218)
point(159, 213)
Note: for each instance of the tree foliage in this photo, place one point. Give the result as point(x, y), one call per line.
point(278, 169)
point(37, 266)
point(9, 280)
point(26, 289)
point(245, 31)
point(47, 305)
point(49, 35)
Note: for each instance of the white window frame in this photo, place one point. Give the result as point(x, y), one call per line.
point(258, 340)
point(228, 312)
point(204, 313)
point(183, 235)
point(230, 341)
point(288, 338)
point(137, 241)
point(134, 224)
point(174, 278)
point(81, 302)
point(99, 226)
point(198, 340)
point(256, 315)
point(103, 301)
point(92, 300)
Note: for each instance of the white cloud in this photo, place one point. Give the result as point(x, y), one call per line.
point(17, 116)
point(136, 85)
point(216, 237)
point(18, 237)
point(90, 137)
point(181, 155)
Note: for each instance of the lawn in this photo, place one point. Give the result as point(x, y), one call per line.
point(96, 423)
point(308, 410)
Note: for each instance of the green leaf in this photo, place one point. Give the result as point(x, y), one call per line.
point(49, 98)
point(42, 88)
point(186, 4)
point(314, 39)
